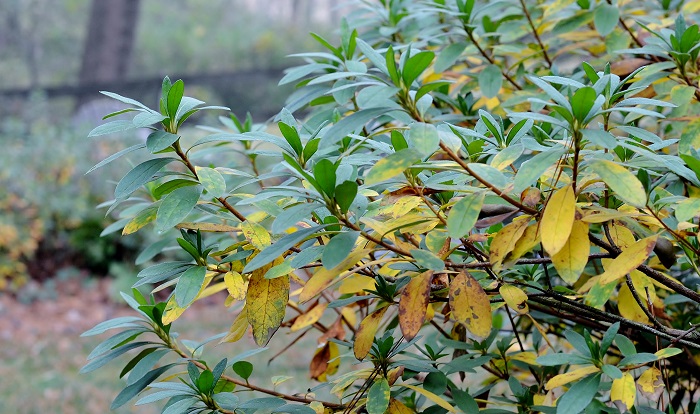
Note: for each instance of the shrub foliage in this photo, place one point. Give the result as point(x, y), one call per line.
point(489, 206)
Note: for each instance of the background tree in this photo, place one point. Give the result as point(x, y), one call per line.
point(505, 189)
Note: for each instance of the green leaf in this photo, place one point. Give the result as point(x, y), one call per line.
point(324, 173)
point(115, 156)
point(160, 140)
point(490, 81)
point(132, 390)
point(345, 194)
point(176, 206)
point(351, 124)
point(112, 127)
point(338, 248)
point(138, 176)
point(531, 170)
point(449, 56)
point(174, 97)
point(392, 165)
point(122, 322)
point(582, 102)
point(625, 184)
point(205, 383)
point(276, 249)
point(378, 397)
point(605, 18)
point(424, 138)
point(292, 136)
point(244, 369)
point(428, 260)
point(579, 395)
point(212, 181)
point(562, 359)
point(415, 65)
point(464, 214)
point(189, 285)
point(145, 119)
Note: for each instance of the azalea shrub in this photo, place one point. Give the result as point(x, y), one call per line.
point(471, 206)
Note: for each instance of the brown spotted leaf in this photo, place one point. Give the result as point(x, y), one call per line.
point(413, 304)
point(470, 305)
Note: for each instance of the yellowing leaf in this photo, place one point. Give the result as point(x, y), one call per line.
point(470, 305)
point(364, 337)
point(209, 227)
point(309, 318)
point(650, 384)
point(623, 392)
point(413, 304)
point(573, 257)
point(238, 327)
point(571, 376)
point(515, 298)
point(432, 397)
point(504, 241)
point(628, 306)
point(558, 219)
point(325, 277)
point(144, 217)
point(256, 234)
point(266, 302)
point(667, 352)
point(235, 285)
point(626, 185)
point(628, 260)
point(397, 407)
point(392, 165)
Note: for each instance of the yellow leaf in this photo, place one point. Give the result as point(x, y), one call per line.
point(235, 285)
point(325, 277)
point(346, 380)
point(571, 376)
point(432, 397)
point(643, 284)
point(309, 318)
point(621, 236)
point(504, 241)
point(266, 302)
point(628, 306)
point(529, 358)
point(364, 337)
point(470, 305)
point(238, 327)
point(628, 260)
point(558, 219)
point(356, 284)
point(529, 240)
point(515, 298)
point(413, 304)
point(623, 392)
point(256, 234)
point(651, 384)
point(397, 407)
point(349, 315)
point(573, 257)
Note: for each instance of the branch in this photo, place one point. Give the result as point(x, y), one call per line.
point(190, 167)
point(490, 186)
point(654, 274)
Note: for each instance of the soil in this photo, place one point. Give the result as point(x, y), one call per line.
point(72, 307)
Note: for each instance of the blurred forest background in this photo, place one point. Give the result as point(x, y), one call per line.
point(57, 275)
